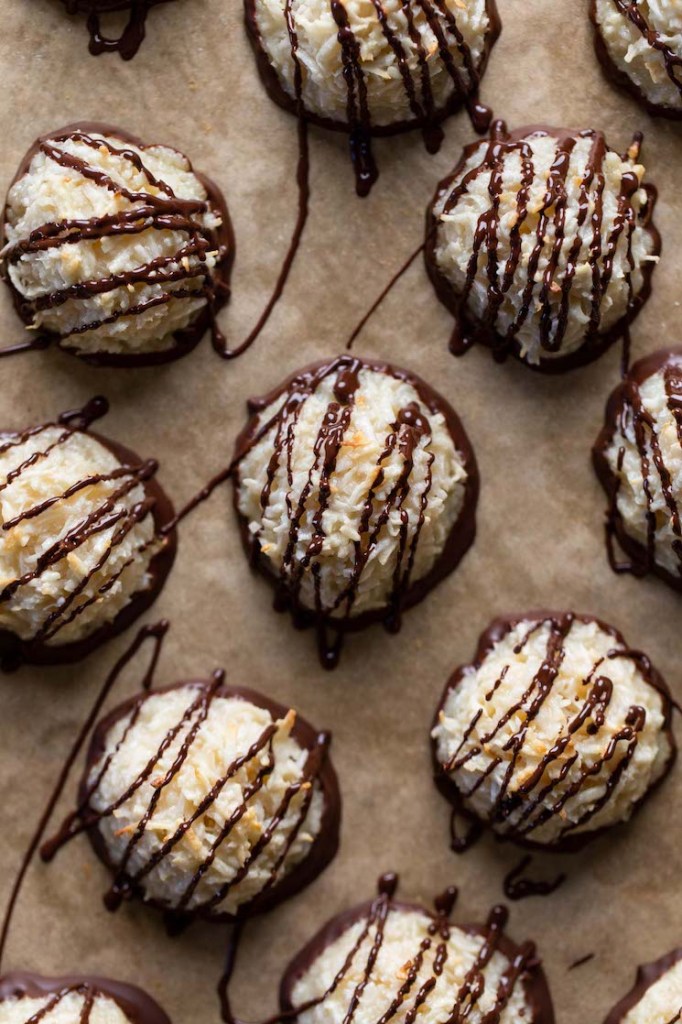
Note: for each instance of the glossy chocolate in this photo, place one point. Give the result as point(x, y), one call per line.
point(597, 697)
point(132, 37)
point(318, 769)
point(133, 472)
point(626, 399)
point(503, 272)
point(427, 117)
point(162, 211)
point(138, 1007)
point(406, 591)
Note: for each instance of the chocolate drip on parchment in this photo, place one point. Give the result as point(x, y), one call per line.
point(537, 796)
point(417, 83)
point(136, 1005)
point(550, 291)
point(132, 36)
point(156, 634)
point(186, 270)
point(417, 986)
point(129, 881)
point(112, 512)
point(518, 886)
point(628, 415)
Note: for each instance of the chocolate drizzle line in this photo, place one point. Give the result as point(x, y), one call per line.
point(442, 22)
point(523, 969)
point(538, 796)
point(518, 886)
point(133, 34)
point(647, 975)
point(503, 272)
point(156, 634)
point(672, 62)
point(107, 515)
point(626, 413)
point(187, 268)
point(404, 437)
point(129, 882)
point(581, 961)
point(136, 1005)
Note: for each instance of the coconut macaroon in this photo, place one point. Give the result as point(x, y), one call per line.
point(656, 997)
point(541, 244)
point(374, 67)
point(356, 488)
point(132, 34)
point(206, 799)
point(78, 999)
point(387, 960)
point(81, 550)
point(640, 46)
point(638, 458)
point(555, 732)
point(120, 252)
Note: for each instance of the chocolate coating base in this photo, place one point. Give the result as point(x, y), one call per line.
point(493, 634)
point(647, 975)
point(621, 79)
point(615, 406)
point(185, 340)
point(594, 345)
point(15, 652)
point(460, 538)
point(281, 97)
point(535, 985)
point(322, 850)
point(138, 1007)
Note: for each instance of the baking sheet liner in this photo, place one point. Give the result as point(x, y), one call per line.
point(540, 541)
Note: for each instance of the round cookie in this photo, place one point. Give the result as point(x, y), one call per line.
point(82, 554)
point(118, 251)
point(355, 487)
point(555, 732)
point(656, 997)
point(541, 244)
point(638, 459)
point(374, 67)
point(640, 47)
point(387, 959)
point(208, 800)
point(79, 999)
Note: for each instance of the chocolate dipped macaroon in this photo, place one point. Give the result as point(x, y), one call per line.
point(638, 459)
point(82, 547)
point(387, 959)
point(78, 999)
point(133, 32)
point(555, 732)
point(117, 251)
point(374, 67)
point(656, 997)
point(640, 47)
point(541, 244)
point(207, 800)
point(356, 488)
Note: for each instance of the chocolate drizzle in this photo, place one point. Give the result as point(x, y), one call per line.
point(647, 975)
point(672, 63)
point(111, 513)
point(186, 270)
point(518, 886)
point(412, 999)
point(627, 415)
point(132, 37)
point(136, 1005)
point(541, 796)
point(425, 114)
point(404, 437)
point(549, 291)
point(129, 881)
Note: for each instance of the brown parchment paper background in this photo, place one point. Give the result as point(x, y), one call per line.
point(540, 542)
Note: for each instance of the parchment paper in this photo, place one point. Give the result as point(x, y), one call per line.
point(540, 541)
